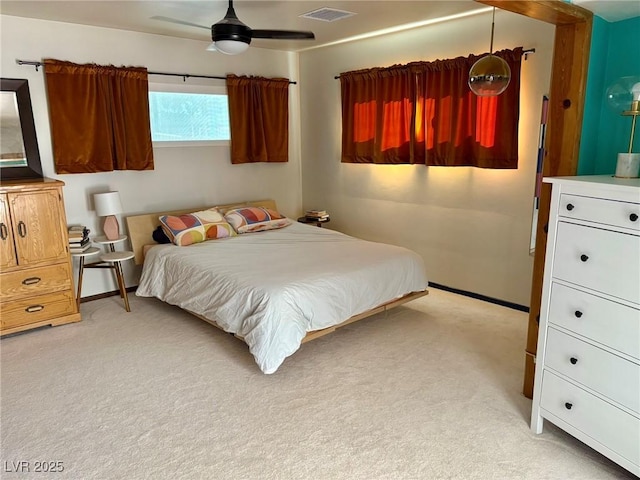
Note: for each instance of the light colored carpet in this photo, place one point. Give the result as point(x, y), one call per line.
point(430, 390)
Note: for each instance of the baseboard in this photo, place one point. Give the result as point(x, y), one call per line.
point(106, 294)
point(477, 296)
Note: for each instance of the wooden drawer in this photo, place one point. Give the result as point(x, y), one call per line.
point(603, 422)
point(609, 323)
point(597, 369)
point(599, 259)
point(36, 309)
point(35, 281)
point(606, 212)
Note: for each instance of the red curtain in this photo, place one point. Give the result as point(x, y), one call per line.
point(424, 112)
point(99, 117)
point(378, 116)
point(258, 119)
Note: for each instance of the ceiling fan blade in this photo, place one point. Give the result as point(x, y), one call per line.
point(283, 34)
point(179, 22)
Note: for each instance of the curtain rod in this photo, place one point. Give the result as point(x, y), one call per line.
point(183, 75)
point(524, 52)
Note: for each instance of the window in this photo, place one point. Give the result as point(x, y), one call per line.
point(188, 115)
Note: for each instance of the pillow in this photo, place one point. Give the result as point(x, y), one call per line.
point(255, 219)
point(196, 227)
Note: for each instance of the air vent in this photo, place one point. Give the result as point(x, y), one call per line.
point(326, 14)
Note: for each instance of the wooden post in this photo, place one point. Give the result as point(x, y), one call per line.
point(566, 107)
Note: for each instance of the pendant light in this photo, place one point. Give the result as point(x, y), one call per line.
point(489, 76)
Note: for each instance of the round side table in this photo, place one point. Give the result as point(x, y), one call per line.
point(317, 221)
point(82, 255)
point(115, 259)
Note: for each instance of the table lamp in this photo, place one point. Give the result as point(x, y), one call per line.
point(108, 205)
point(624, 97)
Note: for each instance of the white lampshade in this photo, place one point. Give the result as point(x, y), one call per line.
point(231, 47)
point(107, 204)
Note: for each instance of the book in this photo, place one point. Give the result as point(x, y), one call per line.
point(79, 242)
point(80, 249)
point(316, 213)
point(78, 232)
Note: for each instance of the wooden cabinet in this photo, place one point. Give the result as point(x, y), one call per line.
point(587, 373)
point(36, 283)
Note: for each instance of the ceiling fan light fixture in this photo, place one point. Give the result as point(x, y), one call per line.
point(230, 47)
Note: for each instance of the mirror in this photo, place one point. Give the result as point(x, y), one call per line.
point(19, 154)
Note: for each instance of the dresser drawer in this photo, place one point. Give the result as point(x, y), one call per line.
point(609, 323)
point(606, 212)
point(36, 309)
point(602, 260)
point(606, 424)
point(35, 281)
point(601, 371)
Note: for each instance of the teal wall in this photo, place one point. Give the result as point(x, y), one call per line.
point(605, 133)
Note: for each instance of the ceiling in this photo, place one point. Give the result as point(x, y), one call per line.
point(371, 16)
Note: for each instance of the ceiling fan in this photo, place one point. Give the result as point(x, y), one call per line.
point(231, 36)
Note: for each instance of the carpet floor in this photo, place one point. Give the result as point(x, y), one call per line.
point(429, 390)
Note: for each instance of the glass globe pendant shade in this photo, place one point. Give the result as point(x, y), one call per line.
point(489, 76)
point(623, 96)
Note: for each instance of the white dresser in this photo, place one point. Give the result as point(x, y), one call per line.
point(587, 378)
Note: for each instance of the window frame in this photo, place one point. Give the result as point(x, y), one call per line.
point(188, 88)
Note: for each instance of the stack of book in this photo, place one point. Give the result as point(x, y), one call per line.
point(79, 240)
point(316, 215)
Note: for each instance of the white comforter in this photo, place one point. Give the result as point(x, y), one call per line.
point(273, 287)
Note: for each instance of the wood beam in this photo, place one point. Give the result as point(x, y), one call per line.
point(551, 11)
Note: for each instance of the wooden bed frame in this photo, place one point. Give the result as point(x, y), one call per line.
point(141, 228)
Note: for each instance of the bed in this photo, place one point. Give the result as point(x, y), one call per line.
point(279, 288)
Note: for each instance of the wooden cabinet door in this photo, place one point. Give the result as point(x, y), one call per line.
point(7, 248)
point(39, 227)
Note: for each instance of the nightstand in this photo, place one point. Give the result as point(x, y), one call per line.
point(81, 256)
point(112, 259)
point(315, 221)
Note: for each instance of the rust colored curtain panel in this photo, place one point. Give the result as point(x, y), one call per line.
point(425, 113)
point(99, 117)
point(130, 119)
point(463, 129)
point(258, 119)
point(378, 116)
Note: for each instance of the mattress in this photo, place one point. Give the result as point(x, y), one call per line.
point(273, 287)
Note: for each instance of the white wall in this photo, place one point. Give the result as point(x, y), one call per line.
point(183, 177)
point(472, 226)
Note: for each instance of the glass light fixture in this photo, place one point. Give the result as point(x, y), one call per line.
point(623, 96)
point(230, 47)
point(489, 76)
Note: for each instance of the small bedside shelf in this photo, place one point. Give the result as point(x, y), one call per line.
point(314, 221)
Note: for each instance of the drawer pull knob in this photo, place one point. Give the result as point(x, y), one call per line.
point(577, 313)
point(34, 308)
point(4, 233)
point(633, 217)
point(22, 229)
point(568, 405)
point(570, 206)
point(584, 257)
point(31, 280)
point(573, 360)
